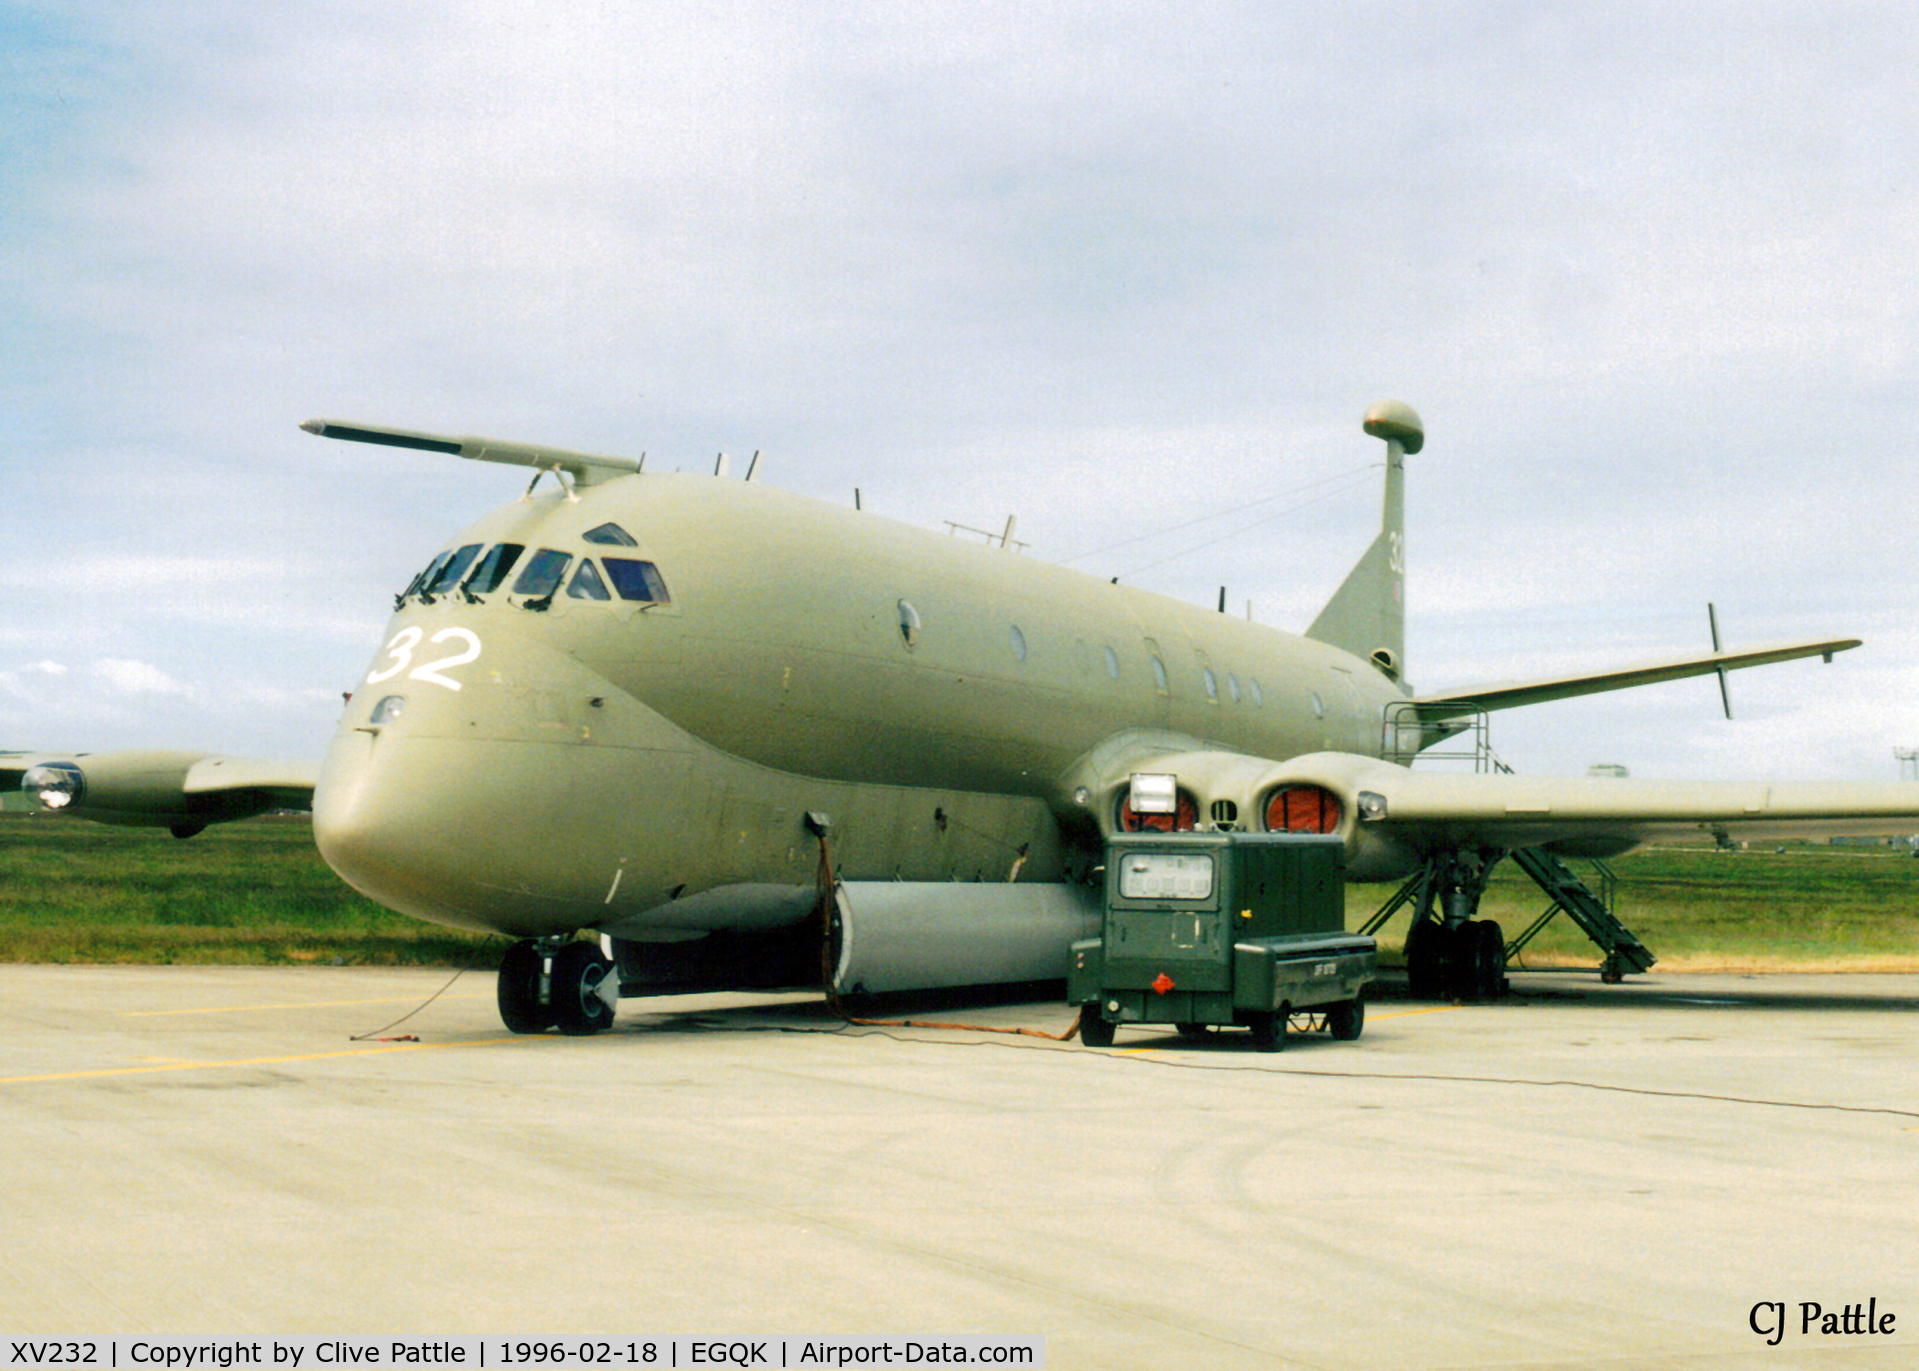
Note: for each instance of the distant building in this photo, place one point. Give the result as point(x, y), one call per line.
point(1610, 770)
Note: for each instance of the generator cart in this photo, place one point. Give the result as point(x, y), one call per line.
point(1205, 929)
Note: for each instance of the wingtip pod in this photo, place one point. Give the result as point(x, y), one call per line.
point(1395, 422)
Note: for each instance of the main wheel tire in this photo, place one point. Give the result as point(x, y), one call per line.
point(1095, 1029)
point(579, 971)
point(1347, 1021)
point(518, 990)
point(1425, 967)
point(1482, 960)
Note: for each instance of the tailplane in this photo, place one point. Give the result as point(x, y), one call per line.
point(1367, 614)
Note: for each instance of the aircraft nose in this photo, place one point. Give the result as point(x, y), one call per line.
point(381, 823)
point(485, 807)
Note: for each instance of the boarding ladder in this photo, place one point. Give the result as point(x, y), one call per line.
point(1592, 912)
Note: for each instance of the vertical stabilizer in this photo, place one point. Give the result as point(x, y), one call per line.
point(1367, 614)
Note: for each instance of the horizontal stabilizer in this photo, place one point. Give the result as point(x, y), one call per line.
point(1510, 694)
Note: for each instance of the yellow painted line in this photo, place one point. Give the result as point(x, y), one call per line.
point(1408, 1013)
point(257, 1061)
point(304, 1004)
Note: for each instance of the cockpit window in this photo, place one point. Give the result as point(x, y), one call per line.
point(450, 572)
point(543, 573)
point(587, 584)
point(636, 580)
point(419, 582)
point(610, 535)
point(493, 569)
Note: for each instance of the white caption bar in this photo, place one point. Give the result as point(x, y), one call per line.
point(305, 1353)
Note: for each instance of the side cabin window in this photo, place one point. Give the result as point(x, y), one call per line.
point(636, 580)
point(610, 535)
point(1158, 663)
point(543, 573)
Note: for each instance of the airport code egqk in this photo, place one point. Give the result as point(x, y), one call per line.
point(303, 1352)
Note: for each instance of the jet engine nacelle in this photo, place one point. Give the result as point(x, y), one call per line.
point(154, 789)
point(1320, 792)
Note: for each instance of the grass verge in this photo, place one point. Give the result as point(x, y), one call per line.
point(247, 893)
point(258, 893)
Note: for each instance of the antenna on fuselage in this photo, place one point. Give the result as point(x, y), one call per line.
point(1725, 691)
point(581, 468)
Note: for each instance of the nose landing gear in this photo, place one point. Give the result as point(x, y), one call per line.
point(547, 983)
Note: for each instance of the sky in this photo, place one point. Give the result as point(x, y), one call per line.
point(1129, 272)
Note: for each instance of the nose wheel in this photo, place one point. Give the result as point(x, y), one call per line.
point(571, 986)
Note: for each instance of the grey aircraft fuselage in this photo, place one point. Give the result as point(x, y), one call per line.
point(534, 765)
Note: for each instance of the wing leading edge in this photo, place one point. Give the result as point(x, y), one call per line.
point(1397, 817)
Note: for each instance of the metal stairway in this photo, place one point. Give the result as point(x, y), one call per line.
point(1624, 952)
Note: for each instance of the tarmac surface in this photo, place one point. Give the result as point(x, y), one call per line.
point(1580, 1176)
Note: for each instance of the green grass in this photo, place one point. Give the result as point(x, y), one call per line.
point(258, 893)
point(246, 893)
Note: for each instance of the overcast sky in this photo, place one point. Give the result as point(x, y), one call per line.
point(1646, 271)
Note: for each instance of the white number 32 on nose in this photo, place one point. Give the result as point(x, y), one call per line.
point(400, 656)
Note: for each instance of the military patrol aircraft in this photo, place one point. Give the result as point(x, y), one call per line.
point(755, 740)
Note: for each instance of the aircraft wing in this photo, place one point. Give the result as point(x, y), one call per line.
point(184, 791)
point(1399, 815)
point(1455, 704)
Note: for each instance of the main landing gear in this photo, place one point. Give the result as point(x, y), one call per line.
point(550, 983)
point(1464, 961)
point(1449, 953)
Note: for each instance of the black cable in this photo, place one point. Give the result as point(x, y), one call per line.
point(473, 966)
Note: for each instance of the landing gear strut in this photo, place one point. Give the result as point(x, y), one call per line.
point(546, 983)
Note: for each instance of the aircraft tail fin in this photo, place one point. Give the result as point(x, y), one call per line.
point(1367, 614)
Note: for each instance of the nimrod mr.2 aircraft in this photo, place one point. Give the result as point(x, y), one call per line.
point(753, 740)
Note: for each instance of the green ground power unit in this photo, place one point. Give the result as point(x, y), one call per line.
point(1210, 929)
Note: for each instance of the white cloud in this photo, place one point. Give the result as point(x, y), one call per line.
point(124, 677)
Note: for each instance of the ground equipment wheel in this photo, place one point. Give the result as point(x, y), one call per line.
point(1347, 1021)
point(518, 989)
point(581, 1002)
point(1095, 1029)
point(1269, 1031)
